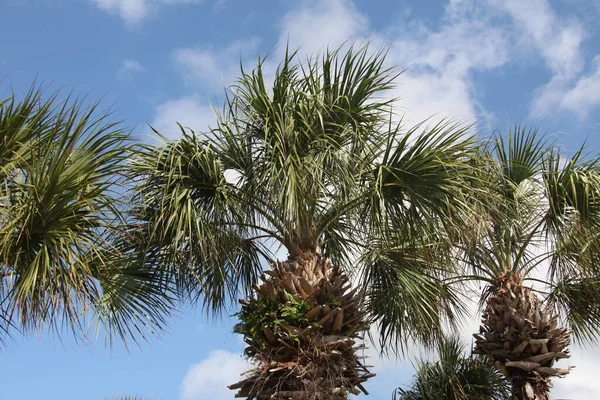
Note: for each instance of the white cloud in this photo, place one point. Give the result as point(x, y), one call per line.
point(439, 61)
point(585, 94)
point(440, 64)
point(582, 382)
point(208, 379)
point(558, 41)
point(316, 25)
point(134, 12)
point(128, 68)
point(189, 111)
point(213, 69)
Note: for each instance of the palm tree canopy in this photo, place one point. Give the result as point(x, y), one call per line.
point(312, 160)
point(454, 376)
point(62, 262)
point(544, 211)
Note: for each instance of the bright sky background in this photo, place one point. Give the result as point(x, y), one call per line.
point(159, 61)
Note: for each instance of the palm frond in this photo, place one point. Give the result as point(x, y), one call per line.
point(191, 221)
point(59, 211)
point(454, 376)
point(407, 295)
point(519, 154)
point(424, 177)
point(577, 301)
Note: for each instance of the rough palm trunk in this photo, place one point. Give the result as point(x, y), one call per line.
point(522, 336)
point(303, 329)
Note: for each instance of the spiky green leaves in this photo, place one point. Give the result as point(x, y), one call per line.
point(319, 166)
point(190, 222)
point(61, 259)
point(455, 376)
point(408, 296)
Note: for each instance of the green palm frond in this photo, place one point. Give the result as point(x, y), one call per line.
point(577, 299)
point(60, 209)
point(409, 297)
point(425, 177)
point(520, 154)
point(314, 163)
point(454, 376)
point(190, 217)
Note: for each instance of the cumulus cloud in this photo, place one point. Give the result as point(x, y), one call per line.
point(189, 111)
point(315, 25)
point(585, 94)
point(208, 379)
point(211, 69)
point(134, 12)
point(438, 61)
point(558, 40)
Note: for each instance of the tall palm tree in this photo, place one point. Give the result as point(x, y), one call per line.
point(315, 164)
point(544, 211)
point(63, 261)
point(454, 376)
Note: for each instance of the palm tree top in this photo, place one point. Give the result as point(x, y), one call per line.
point(312, 159)
point(542, 213)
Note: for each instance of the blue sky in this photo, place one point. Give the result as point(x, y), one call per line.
point(492, 62)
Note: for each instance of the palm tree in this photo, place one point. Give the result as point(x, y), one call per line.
point(455, 377)
point(543, 212)
point(63, 260)
point(314, 164)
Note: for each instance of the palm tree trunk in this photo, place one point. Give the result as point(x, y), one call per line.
point(530, 386)
point(303, 328)
point(522, 336)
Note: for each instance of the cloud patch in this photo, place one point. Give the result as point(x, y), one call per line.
point(189, 111)
point(133, 12)
point(129, 68)
point(208, 379)
point(211, 70)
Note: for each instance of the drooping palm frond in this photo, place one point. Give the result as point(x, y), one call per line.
point(454, 376)
point(577, 300)
point(408, 295)
point(60, 207)
point(191, 218)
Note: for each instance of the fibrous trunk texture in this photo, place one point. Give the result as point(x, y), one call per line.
point(303, 329)
point(522, 336)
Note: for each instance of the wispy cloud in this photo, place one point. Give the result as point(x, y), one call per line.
point(213, 69)
point(189, 111)
point(133, 12)
point(128, 68)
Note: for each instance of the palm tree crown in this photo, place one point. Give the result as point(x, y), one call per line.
point(316, 164)
point(543, 212)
